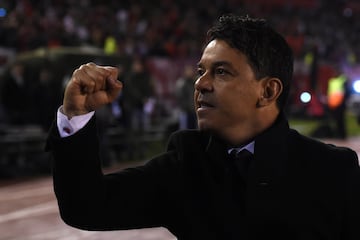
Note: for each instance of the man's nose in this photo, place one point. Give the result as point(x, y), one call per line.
point(203, 83)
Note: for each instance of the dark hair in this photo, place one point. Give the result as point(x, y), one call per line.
point(267, 51)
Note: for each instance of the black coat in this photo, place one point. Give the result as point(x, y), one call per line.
point(298, 188)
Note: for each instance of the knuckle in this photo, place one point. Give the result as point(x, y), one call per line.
point(82, 66)
point(99, 78)
point(76, 71)
point(115, 70)
point(92, 84)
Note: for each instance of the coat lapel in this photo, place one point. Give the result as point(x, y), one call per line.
point(268, 183)
point(271, 153)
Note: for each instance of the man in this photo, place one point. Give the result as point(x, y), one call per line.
point(15, 95)
point(338, 93)
point(293, 188)
point(184, 91)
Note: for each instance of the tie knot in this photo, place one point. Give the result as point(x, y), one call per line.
point(239, 155)
point(241, 160)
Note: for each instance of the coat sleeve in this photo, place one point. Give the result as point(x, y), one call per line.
point(136, 197)
point(351, 223)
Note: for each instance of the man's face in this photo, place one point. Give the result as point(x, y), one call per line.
point(226, 91)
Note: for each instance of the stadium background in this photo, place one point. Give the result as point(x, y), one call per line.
point(57, 36)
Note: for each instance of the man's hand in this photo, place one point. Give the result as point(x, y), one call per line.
point(91, 86)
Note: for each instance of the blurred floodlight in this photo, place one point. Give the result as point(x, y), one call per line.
point(356, 86)
point(2, 12)
point(305, 97)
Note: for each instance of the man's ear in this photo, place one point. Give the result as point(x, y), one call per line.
point(271, 90)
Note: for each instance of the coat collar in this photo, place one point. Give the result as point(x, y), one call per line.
point(270, 151)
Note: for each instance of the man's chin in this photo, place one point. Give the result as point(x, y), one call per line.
point(205, 126)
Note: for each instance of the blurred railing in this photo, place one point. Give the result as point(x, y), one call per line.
point(22, 150)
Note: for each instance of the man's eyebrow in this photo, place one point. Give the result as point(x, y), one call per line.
point(217, 64)
point(222, 63)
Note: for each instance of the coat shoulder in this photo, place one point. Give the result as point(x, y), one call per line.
point(321, 150)
point(188, 139)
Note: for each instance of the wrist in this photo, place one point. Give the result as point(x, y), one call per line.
point(71, 114)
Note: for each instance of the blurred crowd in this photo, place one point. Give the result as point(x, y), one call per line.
point(174, 28)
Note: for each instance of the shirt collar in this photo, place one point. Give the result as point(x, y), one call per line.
point(249, 147)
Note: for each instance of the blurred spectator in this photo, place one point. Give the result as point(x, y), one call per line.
point(138, 107)
point(44, 99)
point(185, 100)
point(139, 94)
point(15, 95)
point(338, 94)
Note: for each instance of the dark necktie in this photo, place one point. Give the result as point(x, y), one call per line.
point(235, 189)
point(240, 161)
point(237, 172)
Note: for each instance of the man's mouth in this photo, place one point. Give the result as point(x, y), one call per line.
point(203, 104)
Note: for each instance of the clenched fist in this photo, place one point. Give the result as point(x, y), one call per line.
point(91, 86)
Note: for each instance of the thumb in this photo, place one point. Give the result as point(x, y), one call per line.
point(113, 85)
point(113, 72)
point(113, 90)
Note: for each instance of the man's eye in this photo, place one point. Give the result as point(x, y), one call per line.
point(200, 72)
point(220, 71)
